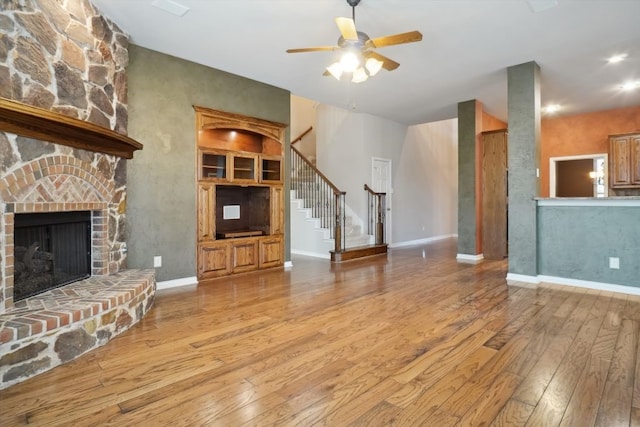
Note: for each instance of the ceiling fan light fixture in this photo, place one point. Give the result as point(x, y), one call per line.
point(359, 75)
point(335, 70)
point(349, 62)
point(373, 66)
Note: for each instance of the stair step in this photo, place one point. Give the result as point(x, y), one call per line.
point(359, 252)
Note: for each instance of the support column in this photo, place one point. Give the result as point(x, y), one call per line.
point(523, 161)
point(469, 129)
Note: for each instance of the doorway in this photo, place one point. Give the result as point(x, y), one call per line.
point(578, 176)
point(381, 183)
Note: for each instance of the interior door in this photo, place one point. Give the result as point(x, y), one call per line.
point(381, 183)
point(494, 194)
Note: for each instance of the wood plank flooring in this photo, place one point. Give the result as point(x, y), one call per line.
point(414, 339)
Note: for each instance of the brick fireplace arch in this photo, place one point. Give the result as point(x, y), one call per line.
point(58, 183)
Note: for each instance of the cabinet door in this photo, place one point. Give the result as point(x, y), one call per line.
point(620, 163)
point(271, 170)
point(244, 168)
point(214, 260)
point(206, 212)
point(214, 166)
point(244, 255)
point(277, 210)
point(635, 159)
point(271, 252)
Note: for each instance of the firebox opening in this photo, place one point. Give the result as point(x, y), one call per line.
point(50, 250)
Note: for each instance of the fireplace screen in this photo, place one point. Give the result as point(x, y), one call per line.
point(50, 250)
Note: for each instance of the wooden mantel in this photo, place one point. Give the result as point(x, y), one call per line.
point(45, 125)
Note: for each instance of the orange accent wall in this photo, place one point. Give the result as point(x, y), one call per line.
point(491, 123)
point(582, 134)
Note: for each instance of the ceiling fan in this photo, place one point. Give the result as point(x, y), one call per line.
point(359, 57)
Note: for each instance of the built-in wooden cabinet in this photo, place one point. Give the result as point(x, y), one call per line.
point(240, 193)
point(624, 161)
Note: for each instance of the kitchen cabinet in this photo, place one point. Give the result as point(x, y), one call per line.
point(624, 161)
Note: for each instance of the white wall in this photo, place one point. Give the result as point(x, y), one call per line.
point(424, 166)
point(303, 115)
point(345, 143)
point(426, 183)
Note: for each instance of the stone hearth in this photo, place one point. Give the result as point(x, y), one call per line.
point(57, 326)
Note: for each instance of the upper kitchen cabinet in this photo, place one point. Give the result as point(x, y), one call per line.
point(624, 160)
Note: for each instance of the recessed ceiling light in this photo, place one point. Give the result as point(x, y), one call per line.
point(617, 58)
point(631, 85)
point(172, 7)
point(551, 108)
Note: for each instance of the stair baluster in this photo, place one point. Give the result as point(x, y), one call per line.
point(376, 214)
point(322, 196)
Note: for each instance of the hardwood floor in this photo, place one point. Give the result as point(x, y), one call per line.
point(412, 339)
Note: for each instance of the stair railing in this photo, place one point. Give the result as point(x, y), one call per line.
point(376, 214)
point(325, 200)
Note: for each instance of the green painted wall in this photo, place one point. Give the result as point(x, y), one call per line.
point(161, 178)
point(576, 242)
point(467, 131)
point(523, 160)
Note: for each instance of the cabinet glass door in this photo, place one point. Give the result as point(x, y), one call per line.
point(244, 168)
point(271, 170)
point(214, 166)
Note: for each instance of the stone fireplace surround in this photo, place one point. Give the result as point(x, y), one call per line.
point(65, 57)
point(43, 331)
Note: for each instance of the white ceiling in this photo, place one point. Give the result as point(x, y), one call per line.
point(467, 46)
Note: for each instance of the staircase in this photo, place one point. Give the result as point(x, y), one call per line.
point(321, 222)
point(310, 237)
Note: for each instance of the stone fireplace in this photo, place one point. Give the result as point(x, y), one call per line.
point(67, 155)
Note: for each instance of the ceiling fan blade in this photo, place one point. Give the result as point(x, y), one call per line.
point(313, 49)
point(387, 64)
point(347, 28)
point(410, 37)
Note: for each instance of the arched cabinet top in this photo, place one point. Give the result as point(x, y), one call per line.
point(235, 132)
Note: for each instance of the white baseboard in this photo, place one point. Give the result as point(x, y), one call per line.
point(288, 264)
point(421, 241)
point(522, 280)
point(312, 254)
point(175, 283)
point(469, 259)
point(630, 290)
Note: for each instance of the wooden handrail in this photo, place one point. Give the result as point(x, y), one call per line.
point(298, 139)
point(373, 193)
point(335, 189)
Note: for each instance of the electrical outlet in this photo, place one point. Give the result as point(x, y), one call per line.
point(157, 261)
point(614, 262)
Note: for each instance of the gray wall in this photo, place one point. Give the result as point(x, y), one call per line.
point(467, 133)
point(523, 160)
point(576, 242)
point(161, 178)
